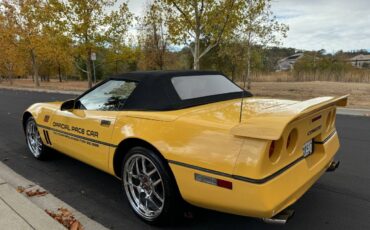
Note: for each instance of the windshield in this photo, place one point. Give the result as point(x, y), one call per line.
point(191, 87)
point(110, 96)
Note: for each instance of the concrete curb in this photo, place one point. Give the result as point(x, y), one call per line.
point(353, 112)
point(21, 213)
point(12, 180)
point(41, 90)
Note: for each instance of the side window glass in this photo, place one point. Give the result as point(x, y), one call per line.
point(110, 96)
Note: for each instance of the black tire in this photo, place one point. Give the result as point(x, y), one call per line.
point(42, 152)
point(172, 205)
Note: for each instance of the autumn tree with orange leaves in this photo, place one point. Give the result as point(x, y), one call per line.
point(91, 25)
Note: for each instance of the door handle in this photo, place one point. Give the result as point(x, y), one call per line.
point(105, 123)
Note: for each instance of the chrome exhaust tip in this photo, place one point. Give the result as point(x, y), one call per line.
point(280, 218)
point(333, 166)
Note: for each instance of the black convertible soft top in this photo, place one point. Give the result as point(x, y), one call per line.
point(156, 92)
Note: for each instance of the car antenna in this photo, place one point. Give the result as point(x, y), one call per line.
point(242, 101)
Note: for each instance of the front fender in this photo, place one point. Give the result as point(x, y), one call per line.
point(41, 112)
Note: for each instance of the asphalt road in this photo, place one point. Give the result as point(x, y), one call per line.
point(339, 200)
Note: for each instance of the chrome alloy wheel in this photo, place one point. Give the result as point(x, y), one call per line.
point(144, 186)
point(33, 138)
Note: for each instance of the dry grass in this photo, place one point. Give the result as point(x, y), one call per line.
point(360, 92)
point(354, 75)
point(272, 77)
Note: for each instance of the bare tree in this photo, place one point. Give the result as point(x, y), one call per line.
point(155, 39)
point(259, 27)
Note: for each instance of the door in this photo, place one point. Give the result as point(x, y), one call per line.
point(85, 132)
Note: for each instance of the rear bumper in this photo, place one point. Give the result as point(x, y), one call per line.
point(262, 200)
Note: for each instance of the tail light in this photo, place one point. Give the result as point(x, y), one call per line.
point(333, 119)
point(275, 150)
point(272, 149)
point(329, 121)
point(292, 141)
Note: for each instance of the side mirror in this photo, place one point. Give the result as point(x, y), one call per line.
point(67, 105)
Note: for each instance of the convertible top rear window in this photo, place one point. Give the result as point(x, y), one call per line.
point(171, 90)
point(191, 87)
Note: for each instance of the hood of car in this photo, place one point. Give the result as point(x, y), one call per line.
point(46, 105)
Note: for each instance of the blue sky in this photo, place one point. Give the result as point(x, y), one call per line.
point(316, 24)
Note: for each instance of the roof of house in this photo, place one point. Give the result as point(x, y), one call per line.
point(287, 62)
point(361, 57)
point(293, 57)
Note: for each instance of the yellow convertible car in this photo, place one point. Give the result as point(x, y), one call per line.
point(193, 136)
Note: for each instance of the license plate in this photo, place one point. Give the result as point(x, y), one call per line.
point(308, 148)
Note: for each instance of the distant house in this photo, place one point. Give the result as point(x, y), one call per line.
point(288, 62)
point(360, 61)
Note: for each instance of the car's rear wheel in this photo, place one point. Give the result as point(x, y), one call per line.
point(33, 138)
point(149, 187)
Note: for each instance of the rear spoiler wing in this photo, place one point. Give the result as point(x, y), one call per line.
point(270, 124)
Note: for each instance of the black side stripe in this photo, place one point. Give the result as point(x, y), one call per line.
point(237, 177)
point(78, 136)
point(326, 139)
point(247, 179)
point(47, 134)
point(47, 138)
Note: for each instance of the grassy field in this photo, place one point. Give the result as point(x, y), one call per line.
point(53, 84)
point(359, 92)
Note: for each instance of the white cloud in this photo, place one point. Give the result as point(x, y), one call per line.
point(316, 24)
point(138, 6)
point(325, 24)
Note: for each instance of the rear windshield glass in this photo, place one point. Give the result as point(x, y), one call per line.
point(190, 87)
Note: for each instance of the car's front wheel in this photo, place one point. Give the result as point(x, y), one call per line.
point(33, 139)
point(149, 187)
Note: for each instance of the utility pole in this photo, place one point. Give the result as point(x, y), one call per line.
point(116, 66)
point(93, 59)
